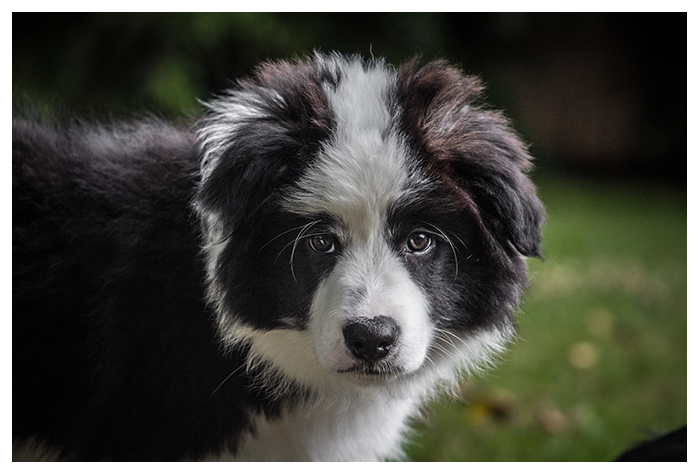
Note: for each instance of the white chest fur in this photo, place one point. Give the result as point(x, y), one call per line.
point(364, 429)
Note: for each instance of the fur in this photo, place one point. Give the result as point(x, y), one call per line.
point(289, 278)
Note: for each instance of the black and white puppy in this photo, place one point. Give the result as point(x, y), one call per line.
point(289, 279)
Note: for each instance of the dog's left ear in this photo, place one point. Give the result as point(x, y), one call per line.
point(505, 199)
point(490, 164)
point(473, 149)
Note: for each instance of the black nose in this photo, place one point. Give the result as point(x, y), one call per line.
point(371, 339)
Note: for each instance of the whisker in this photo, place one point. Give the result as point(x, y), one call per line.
point(462, 243)
point(441, 350)
point(283, 249)
point(449, 241)
point(280, 235)
point(449, 333)
point(296, 242)
point(450, 342)
point(247, 363)
point(226, 379)
point(429, 359)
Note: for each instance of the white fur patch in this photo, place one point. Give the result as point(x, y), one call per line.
point(351, 422)
point(359, 426)
point(366, 167)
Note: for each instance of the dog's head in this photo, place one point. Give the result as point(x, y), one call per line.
point(363, 223)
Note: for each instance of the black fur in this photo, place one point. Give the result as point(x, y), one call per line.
point(486, 203)
point(116, 353)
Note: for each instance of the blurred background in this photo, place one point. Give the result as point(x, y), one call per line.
point(601, 99)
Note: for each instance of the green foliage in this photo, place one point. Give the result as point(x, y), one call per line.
point(601, 362)
point(119, 62)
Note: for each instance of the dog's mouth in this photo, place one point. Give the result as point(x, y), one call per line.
point(374, 371)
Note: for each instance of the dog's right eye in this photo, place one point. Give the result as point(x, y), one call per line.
point(419, 242)
point(322, 243)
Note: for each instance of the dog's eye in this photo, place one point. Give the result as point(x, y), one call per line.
point(322, 243)
point(418, 242)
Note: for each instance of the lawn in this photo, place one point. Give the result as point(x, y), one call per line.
point(601, 360)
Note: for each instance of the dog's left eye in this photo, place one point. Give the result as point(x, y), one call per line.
point(322, 243)
point(419, 242)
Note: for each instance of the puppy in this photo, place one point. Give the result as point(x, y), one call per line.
point(289, 278)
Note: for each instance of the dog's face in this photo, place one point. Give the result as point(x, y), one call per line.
point(364, 224)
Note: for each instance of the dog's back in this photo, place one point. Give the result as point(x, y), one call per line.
point(110, 356)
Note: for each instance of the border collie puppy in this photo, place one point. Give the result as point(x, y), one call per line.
point(288, 279)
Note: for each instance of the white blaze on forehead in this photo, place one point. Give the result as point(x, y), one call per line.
point(362, 171)
point(364, 168)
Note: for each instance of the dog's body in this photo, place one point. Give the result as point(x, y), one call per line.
point(290, 279)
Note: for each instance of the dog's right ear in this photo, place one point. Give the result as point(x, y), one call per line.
point(244, 155)
point(258, 137)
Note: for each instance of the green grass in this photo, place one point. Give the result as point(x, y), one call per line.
point(601, 362)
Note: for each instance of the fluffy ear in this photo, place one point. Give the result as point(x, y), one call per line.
point(258, 137)
point(489, 162)
point(506, 202)
point(473, 150)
